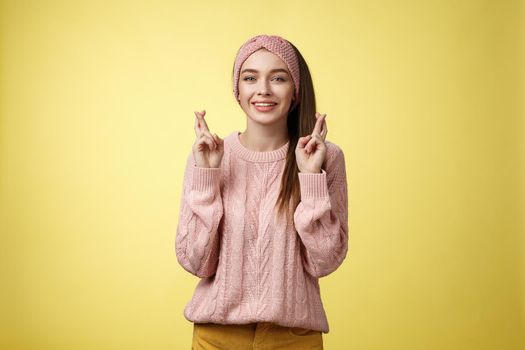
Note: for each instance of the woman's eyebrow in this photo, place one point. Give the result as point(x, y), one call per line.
point(272, 71)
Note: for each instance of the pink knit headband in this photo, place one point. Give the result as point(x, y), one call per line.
point(277, 45)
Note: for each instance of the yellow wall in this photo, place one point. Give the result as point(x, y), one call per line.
point(521, 154)
point(96, 119)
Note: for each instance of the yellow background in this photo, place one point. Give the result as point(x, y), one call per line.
point(426, 98)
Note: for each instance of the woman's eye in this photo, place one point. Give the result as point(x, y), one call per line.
point(252, 78)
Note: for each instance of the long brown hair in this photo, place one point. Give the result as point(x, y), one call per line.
point(300, 122)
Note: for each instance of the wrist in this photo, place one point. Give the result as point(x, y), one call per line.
point(311, 171)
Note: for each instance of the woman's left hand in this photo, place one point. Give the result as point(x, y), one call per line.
point(311, 149)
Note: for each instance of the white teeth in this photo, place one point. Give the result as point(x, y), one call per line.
point(265, 104)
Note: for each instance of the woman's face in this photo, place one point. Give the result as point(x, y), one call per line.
point(265, 77)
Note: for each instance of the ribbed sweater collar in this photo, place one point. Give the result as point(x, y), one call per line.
point(255, 156)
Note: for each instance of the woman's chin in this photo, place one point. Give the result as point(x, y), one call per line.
point(266, 118)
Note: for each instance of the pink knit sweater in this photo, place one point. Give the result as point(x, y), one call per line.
point(254, 267)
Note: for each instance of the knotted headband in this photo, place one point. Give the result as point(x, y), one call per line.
point(275, 44)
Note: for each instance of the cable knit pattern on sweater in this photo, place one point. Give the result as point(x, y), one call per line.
point(253, 266)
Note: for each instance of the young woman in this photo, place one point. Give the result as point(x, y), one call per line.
point(264, 213)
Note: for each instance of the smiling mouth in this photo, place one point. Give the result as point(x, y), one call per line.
point(264, 107)
point(264, 103)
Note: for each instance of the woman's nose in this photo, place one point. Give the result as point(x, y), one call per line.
point(264, 87)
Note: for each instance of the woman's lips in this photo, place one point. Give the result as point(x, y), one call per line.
point(264, 108)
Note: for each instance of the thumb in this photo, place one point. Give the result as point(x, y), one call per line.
point(218, 139)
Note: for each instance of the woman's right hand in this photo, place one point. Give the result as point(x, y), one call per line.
point(208, 149)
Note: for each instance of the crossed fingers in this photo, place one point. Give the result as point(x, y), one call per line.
point(318, 134)
point(320, 128)
point(202, 131)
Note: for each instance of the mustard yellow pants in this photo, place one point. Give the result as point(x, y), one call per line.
point(254, 336)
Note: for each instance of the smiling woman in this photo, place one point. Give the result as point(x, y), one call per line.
point(264, 213)
point(261, 73)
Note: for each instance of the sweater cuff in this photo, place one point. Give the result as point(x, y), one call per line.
point(313, 185)
point(205, 179)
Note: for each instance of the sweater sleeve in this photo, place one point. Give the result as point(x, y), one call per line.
point(321, 217)
point(197, 242)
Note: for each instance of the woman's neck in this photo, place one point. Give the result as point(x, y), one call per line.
point(264, 141)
